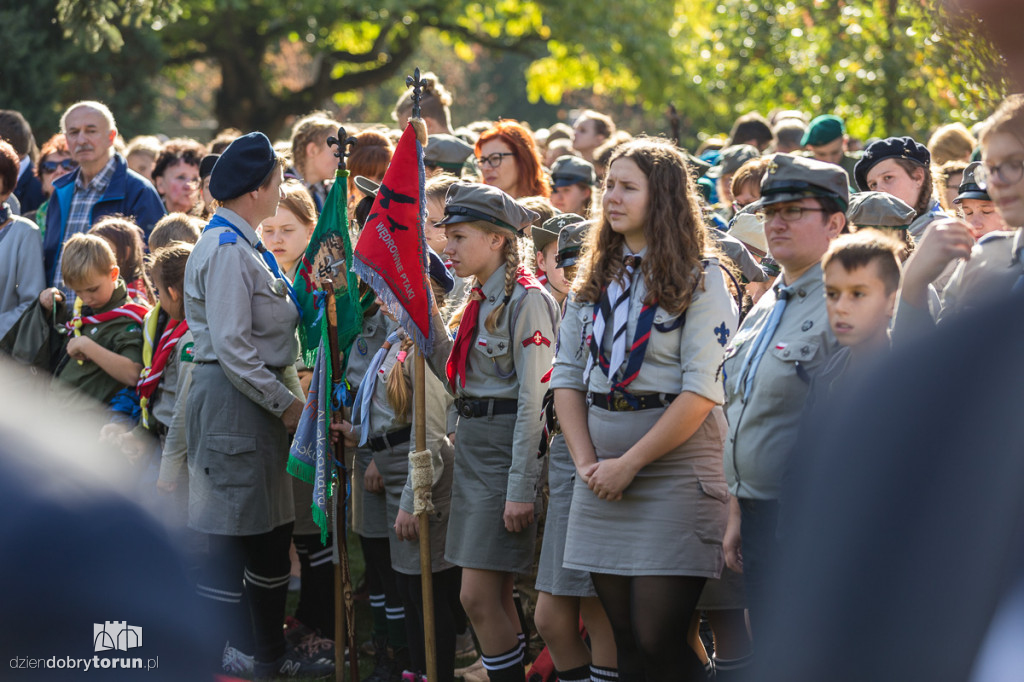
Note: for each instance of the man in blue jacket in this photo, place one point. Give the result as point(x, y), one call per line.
point(103, 185)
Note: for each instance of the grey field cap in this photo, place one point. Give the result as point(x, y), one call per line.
point(732, 158)
point(470, 201)
point(790, 177)
point(569, 170)
point(969, 187)
point(570, 240)
point(548, 232)
point(878, 209)
point(446, 151)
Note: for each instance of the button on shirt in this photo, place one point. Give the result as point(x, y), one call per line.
point(763, 427)
point(80, 214)
point(237, 316)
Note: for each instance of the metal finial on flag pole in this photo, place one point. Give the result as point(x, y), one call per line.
point(344, 143)
point(417, 84)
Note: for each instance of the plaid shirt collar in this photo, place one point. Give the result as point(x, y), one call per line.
point(99, 183)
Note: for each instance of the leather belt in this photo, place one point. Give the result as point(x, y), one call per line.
point(485, 407)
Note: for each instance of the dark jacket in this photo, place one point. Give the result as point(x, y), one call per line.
point(128, 194)
point(29, 191)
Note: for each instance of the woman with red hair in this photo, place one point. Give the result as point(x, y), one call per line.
point(508, 160)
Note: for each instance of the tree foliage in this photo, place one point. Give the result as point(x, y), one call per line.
point(887, 66)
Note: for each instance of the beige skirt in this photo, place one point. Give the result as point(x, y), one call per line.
point(671, 518)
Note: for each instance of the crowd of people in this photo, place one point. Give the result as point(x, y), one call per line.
point(632, 340)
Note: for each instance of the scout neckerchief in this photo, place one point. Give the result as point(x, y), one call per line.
point(614, 304)
point(137, 290)
point(155, 359)
point(133, 311)
point(361, 404)
point(220, 221)
point(455, 369)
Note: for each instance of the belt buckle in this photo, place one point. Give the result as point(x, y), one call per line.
point(620, 403)
point(466, 410)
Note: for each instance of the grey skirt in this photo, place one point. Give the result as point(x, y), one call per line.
point(369, 510)
point(725, 594)
point(671, 518)
point(237, 453)
point(476, 530)
point(552, 577)
point(393, 464)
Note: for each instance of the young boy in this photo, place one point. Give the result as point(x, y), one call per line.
point(862, 277)
point(103, 355)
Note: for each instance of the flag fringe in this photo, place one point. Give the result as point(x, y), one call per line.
point(367, 273)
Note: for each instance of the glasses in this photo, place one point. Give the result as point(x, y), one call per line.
point(1009, 173)
point(51, 166)
point(789, 214)
point(494, 160)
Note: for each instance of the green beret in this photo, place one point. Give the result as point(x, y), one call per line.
point(823, 130)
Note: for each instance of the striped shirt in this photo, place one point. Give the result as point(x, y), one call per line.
point(80, 214)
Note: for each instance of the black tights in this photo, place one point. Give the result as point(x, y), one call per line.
point(446, 584)
point(650, 619)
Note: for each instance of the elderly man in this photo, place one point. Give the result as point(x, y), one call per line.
point(102, 185)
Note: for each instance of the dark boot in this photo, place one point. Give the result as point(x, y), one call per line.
point(384, 662)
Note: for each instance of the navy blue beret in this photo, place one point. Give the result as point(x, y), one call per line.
point(889, 148)
point(242, 167)
point(439, 271)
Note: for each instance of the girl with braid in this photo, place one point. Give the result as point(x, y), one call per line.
point(496, 368)
point(638, 390)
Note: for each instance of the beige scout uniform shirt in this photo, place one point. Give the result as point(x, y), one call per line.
point(763, 426)
point(509, 363)
point(991, 271)
point(383, 418)
point(686, 358)
point(237, 316)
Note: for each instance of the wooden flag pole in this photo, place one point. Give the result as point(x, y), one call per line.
point(344, 620)
point(424, 484)
point(426, 574)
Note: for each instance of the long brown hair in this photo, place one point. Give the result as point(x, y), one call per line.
point(676, 236)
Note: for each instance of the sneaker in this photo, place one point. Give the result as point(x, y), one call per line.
point(308, 641)
point(234, 662)
point(464, 644)
point(410, 676)
point(292, 664)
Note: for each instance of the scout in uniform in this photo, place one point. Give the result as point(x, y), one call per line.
point(991, 267)
point(976, 208)
point(545, 248)
point(495, 368)
point(564, 594)
point(901, 166)
point(445, 154)
point(242, 404)
point(728, 163)
point(826, 140)
point(769, 364)
point(572, 185)
point(383, 411)
point(638, 389)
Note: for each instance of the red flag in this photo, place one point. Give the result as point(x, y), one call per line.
point(391, 254)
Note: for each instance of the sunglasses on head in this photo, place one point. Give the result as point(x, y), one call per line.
point(51, 166)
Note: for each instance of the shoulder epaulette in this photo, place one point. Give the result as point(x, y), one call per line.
point(228, 237)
